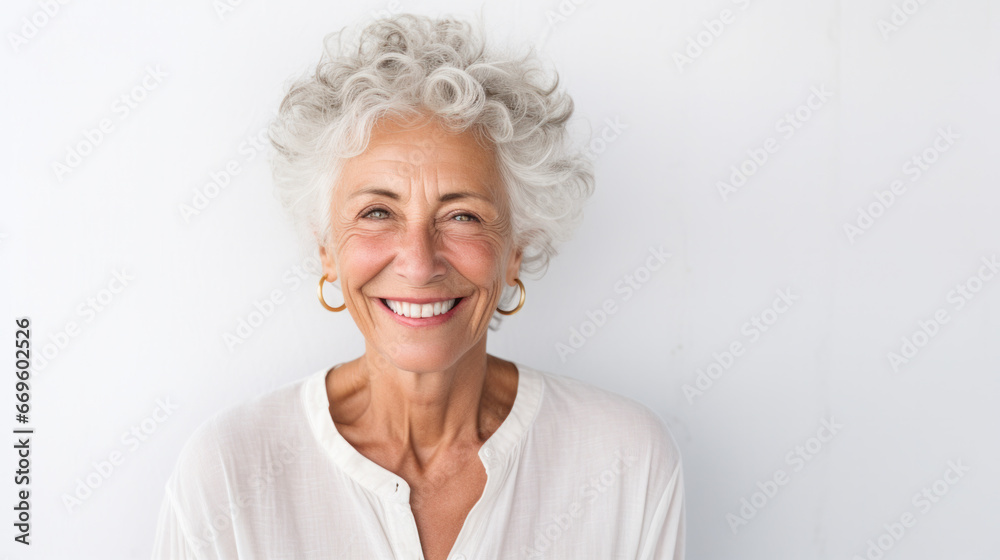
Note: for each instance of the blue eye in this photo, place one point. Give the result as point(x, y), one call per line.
point(372, 214)
point(373, 210)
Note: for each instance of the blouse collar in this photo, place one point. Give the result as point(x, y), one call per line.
point(497, 450)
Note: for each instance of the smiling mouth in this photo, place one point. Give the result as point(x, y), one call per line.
point(418, 310)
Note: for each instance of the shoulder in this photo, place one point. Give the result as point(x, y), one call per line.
point(239, 435)
point(575, 412)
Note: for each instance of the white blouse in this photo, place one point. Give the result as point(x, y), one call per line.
point(573, 472)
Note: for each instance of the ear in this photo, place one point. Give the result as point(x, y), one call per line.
point(513, 266)
point(329, 261)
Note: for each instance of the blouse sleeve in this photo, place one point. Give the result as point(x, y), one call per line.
point(663, 536)
point(171, 541)
point(194, 521)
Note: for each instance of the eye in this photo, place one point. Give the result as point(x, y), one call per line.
point(465, 218)
point(375, 210)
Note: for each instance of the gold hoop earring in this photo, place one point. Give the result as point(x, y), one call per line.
point(323, 301)
point(519, 304)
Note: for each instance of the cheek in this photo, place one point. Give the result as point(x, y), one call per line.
point(475, 257)
point(364, 254)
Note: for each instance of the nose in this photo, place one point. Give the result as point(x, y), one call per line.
point(419, 261)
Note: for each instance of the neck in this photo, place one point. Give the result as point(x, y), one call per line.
point(427, 411)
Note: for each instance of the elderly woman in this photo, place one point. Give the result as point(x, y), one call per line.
point(431, 173)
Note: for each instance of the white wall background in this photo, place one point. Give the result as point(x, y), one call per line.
point(826, 357)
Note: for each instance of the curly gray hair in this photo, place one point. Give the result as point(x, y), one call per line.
point(406, 65)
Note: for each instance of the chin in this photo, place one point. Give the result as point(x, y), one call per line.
point(422, 358)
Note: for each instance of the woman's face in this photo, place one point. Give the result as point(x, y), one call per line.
point(421, 217)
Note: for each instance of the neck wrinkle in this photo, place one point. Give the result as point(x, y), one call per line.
point(422, 414)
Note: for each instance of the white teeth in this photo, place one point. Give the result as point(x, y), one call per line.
point(417, 310)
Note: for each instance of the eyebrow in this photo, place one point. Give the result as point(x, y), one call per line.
point(395, 196)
